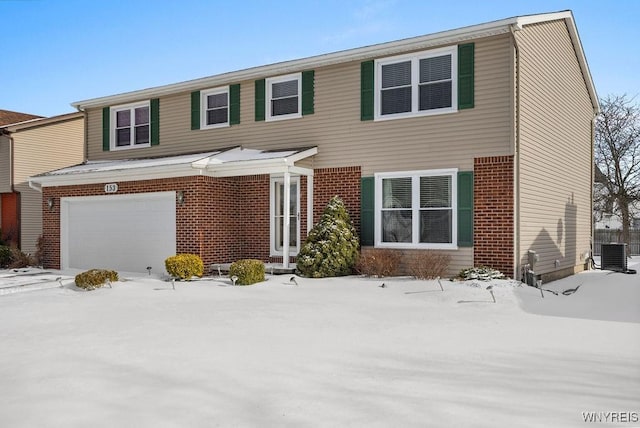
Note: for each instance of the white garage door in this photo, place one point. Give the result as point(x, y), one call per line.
point(126, 233)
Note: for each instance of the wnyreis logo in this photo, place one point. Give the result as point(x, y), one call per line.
point(610, 417)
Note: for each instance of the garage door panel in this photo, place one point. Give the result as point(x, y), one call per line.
point(123, 232)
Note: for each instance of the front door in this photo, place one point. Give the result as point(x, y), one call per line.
point(277, 215)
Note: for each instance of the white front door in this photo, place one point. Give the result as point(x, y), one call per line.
point(277, 215)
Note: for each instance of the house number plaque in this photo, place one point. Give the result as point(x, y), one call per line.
point(111, 188)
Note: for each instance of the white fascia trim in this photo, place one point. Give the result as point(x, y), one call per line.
point(567, 16)
point(134, 174)
point(358, 54)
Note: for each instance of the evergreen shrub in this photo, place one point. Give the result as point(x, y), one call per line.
point(5, 256)
point(95, 278)
point(184, 266)
point(248, 271)
point(332, 245)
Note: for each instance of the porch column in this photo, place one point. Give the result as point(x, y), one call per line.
point(309, 203)
point(286, 221)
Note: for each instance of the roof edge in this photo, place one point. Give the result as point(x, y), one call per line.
point(378, 50)
point(18, 126)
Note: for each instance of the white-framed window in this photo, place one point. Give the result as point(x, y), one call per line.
point(214, 108)
point(416, 209)
point(130, 126)
point(284, 97)
point(277, 215)
point(418, 84)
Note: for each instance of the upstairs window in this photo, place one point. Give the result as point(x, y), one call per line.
point(131, 126)
point(417, 84)
point(284, 99)
point(215, 108)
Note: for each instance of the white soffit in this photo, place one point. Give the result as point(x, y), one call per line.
point(233, 162)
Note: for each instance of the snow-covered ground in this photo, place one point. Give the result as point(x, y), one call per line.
point(331, 352)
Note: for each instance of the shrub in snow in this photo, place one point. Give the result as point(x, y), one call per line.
point(95, 278)
point(248, 271)
point(184, 266)
point(429, 264)
point(331, 248)
point(5, 256)
point(378, 263)
point(482, 273)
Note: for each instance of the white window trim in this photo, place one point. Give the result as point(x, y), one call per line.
point(415, 73)
point(415, 176)
point(113, 124)
point(272, 216)
point(268, 83)
point(203, 107)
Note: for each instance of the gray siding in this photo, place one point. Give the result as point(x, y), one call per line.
point(37, 150)
point(556, 149)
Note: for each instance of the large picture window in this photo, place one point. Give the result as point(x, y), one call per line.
point(416, 84)
point(131, 126)
point(416, 209)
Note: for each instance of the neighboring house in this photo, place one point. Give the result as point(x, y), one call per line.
point(30, 146)
point(476, 142)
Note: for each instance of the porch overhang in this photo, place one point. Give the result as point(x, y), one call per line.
point(233, 162)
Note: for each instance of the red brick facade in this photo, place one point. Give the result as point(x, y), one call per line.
point(222, 219)
point(493, 216)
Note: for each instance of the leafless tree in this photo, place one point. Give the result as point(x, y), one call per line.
point(617, 157)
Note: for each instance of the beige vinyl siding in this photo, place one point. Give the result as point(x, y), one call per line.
point(556, 149)
point(449, 140)
point(40, 149)
point(5, 164)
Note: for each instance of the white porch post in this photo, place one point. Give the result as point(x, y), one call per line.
point(309, 202)
point(286, 221)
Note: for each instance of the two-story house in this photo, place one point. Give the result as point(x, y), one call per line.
point(32, 145)
point(475, 141)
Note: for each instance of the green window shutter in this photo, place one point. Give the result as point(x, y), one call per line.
point(195, 110)
point(155, 121)
point(466, 76)
point(367, 211)
point(260, 100)
point(308, 78)
point(366, 90)
point(465, 208)
point(234, 104)
point(106, 129)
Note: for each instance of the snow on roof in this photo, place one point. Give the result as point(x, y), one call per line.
point(124, 164)
point(234, 161)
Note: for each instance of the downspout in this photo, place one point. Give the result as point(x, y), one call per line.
point(516, 160)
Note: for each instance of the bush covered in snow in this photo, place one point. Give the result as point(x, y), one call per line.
point(95, 278)
point(331, 248)
point(482, 273)
point(184, 266)
point(248, 271)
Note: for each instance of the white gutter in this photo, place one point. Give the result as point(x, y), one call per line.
point(357, 54)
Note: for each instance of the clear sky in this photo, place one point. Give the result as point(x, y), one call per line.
point(55, 52)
